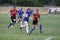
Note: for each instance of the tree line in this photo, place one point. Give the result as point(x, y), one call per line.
point(31, 2)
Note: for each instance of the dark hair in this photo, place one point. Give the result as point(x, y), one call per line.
point(37, 10)
point(14, 6)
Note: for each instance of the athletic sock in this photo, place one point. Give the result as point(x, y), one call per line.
point(9, 25)
point(21, 24)
point(27, 29)
point(40, 28)
point(32, 30)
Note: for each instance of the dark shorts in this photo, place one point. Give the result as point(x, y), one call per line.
point(35, 22)
point(26, 19)
point(12, 18)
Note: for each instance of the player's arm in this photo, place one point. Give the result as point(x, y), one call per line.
point(39, 16)
point(9, 13)
point(31, 17)
point(23, 14)
point(16, 12)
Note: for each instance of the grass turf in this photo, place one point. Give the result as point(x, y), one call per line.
point(51, 27)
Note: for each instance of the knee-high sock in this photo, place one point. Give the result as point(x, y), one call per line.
point(32, 30)
point(9, 25)
point(21, 24)
point(40, 27)
point(27, 29)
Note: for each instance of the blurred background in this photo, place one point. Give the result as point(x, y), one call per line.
point(42, 5)
point(33, 3)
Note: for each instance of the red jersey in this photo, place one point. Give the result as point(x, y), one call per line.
point(36, 16)
point(13, 12)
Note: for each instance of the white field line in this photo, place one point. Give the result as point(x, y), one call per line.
point(49, 38)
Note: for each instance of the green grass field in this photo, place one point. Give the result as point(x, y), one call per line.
point(51, 28)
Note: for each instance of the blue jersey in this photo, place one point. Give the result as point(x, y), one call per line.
point(31, 11)
point(20, 13)
point(28, 14)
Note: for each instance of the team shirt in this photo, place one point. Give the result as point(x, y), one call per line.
point(13, 12)
point(20, 13)
point(36, 16)
point(28, 14)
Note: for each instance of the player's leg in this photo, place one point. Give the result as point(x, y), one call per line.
point(20, 20)
point(34, 24)
point(11, 22)
point(49, 12)
point(20, 23)
point(13, 19)
point(40, 27)
point(26, 24)
point(32, 29)
point(9, 25)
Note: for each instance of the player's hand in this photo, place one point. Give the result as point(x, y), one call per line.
point(39, 17)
